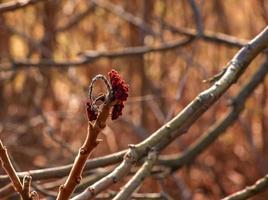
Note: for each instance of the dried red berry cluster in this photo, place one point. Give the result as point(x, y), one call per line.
point(120, 92)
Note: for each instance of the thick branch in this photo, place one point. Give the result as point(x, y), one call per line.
point(220, 127)
point(137, 179)
point(183, 121)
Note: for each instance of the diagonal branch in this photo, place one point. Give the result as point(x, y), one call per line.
point(208, 36)
point(183, 121)
point(90, 143)
point(177, 161)
point(76, 19)
point(9, 169)
point(250, 191)
point(137, 179)
point(121, 171)
point(18, 4)
point(119, 11)
point(22, 188)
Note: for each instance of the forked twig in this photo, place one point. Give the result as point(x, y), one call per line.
point(9, 169)
point(22, 188)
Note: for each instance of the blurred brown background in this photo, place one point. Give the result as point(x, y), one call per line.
point(42, 112)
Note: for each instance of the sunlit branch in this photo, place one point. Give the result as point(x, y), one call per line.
point(15, 5)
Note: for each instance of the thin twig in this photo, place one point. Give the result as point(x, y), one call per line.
point(76, 19)
point(9, 169)
point(116, 95)
point(90, 143)
point(22, 188)
point(15, 5)
point(260, 186)
point(119, 11)
point(135, 196)
point(91, 56)
point(197, 17)
point(208, 36)
point(121, 171)
point(6, 190)
point(61, 171)
point(26, 189)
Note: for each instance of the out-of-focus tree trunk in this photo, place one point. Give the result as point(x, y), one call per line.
point(218, 7)
point(4, 55)
point(263, 7)
point(49, 19)
point(264, 126)
point(137, 65)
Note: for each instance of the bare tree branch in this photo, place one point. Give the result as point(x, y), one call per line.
point(91, 56)
point(197, 17)
point(250, 191)
point(59, 172)
point(121, 171)
point(18, 4)
point(181, 123)
point(208, 36)
point(8, 167)
point(76, 19)
point(137, 179)
point(119, 11)
point(22, 188)
point(220, 127)
point(136, 196)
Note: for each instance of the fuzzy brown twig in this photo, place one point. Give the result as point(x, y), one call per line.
point(117, 93)
point(9, 169)
point(90, 143)
point(22, 188)
point(14, 5)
